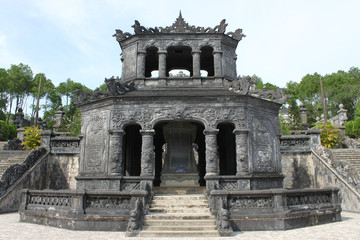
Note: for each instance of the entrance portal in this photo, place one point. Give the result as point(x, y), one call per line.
point(181, 154)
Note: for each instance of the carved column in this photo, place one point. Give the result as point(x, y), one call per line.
point(303, 116)
point(196, 63)
point(141, 64)
point(116, 152)
point(147, 152)
point(211, 152)
point(162, 64)
point(242, 160)
point(217, 63)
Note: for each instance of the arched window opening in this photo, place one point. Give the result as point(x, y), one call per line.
point(226, 144)
point(154, 74)
point(151, 61)
point(179, 57)
point(204, 73)
point(132, 151)
point(179, 73)
point(207, 60)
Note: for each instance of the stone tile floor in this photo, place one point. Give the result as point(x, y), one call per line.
point(348, 228)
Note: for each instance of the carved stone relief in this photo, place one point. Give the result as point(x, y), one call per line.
point(264, 144)
point(107, 202)
point(210, 116)
point(95, 145)
point(251, 202)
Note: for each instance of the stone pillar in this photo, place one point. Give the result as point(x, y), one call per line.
point(59, 117)
point(211, 152)
point(19, 118)
point(45, 139)
point(196, 63)
point(342, 113)
point(116, 152)
point(303, 116)
point(20, 133)
point(140, 73)
point(162, 64)
point(147, 152)
point(314, 138)
point(217, 63)
point(242, 159)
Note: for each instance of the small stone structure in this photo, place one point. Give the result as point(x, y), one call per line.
point(180, 131)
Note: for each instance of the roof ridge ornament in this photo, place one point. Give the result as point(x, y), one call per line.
point(179, 26)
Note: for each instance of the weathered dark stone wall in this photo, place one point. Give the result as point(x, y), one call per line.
point(298, 170)
point(305, 167)
point(50, 172)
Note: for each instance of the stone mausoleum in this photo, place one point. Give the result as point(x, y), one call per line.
point(181, 120)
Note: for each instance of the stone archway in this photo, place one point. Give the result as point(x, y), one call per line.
point(179, 154)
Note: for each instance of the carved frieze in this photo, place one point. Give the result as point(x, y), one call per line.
point(227, 185)
point(251, 202)
point(130, 186)
point(210, 116)
point(308, 199)
point(107, 202)
point(50, 200)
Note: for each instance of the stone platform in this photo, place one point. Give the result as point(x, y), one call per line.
point(348, 228)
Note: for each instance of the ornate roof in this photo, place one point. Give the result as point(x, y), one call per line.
point(179, 26)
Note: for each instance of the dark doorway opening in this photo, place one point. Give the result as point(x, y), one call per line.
point(226, 144)
point(132, 150)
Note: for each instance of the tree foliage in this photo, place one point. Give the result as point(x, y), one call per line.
point(352, 128)
point(330, 135)
point(7, 131)
point(32, 138)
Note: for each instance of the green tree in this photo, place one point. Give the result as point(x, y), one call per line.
point(20, 81)
point(343, 87)
point(4, 82)
point(46, 88)
point(67, 88)
point(352, 128)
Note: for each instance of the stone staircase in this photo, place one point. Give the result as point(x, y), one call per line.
point(179, 213)
point(350, 155)
point(8, 158)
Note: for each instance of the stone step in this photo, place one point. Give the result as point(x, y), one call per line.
point(179, 210)
point(179, 197)
point(177, 205)
point(179, 222)
point(207, 233)
point(180, 201)
point(179, 190)
point(179, 216)
point(180, 228)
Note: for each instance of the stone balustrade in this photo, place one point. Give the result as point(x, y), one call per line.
point(278, 209)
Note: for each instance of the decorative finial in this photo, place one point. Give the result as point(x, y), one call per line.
point(180, 15)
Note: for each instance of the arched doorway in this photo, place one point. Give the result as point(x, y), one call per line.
point(132, 150)
point(226, 144)
point(179, 153)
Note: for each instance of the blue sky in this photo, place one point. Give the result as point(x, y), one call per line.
point(285, 39)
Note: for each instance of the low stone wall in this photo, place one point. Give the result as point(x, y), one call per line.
point(306, 165)
point(276, 209)
point(325, 174)
point(33, 177)
point(84, 210)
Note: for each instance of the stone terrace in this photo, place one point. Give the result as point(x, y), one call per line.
point(11, 228)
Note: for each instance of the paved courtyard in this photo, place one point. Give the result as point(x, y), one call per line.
point(349, 228)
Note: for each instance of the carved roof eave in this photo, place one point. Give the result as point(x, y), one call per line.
point(180, 27)
point(178, 36)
